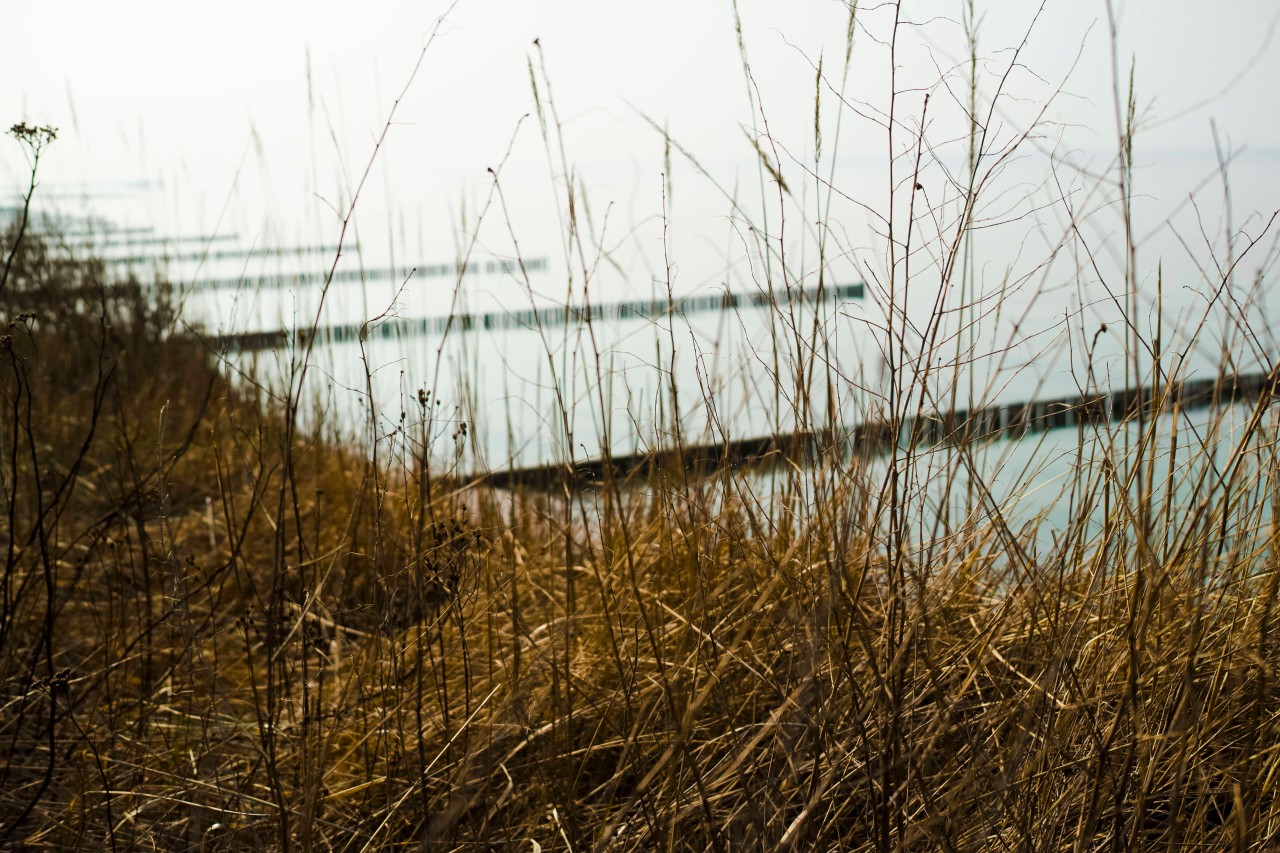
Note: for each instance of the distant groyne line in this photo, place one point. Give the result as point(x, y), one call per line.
point(454, 270)
point(877, 436)
point(88, 240)
point(533, 318)
point(208, 253)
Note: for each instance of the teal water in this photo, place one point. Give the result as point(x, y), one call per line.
point(1205, 473)
point(1067, 480)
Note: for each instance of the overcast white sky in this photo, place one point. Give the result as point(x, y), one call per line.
point(257, 119)
point(158, 89)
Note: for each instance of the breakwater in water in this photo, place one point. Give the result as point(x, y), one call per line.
point(878, 435)
point(549, 316)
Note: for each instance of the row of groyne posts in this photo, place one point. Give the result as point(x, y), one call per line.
point(879, 435)
point(547, 316)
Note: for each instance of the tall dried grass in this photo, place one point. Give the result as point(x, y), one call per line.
point(220, 632)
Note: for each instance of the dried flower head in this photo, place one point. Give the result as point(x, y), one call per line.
point(33, 134)
point(34, 137)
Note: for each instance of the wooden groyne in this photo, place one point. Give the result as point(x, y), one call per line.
point(1015, 419)
point(549, 316)
point(318, 278)
point(694, 461)
point(878, 435)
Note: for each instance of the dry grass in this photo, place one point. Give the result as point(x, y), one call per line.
point(220, 632)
